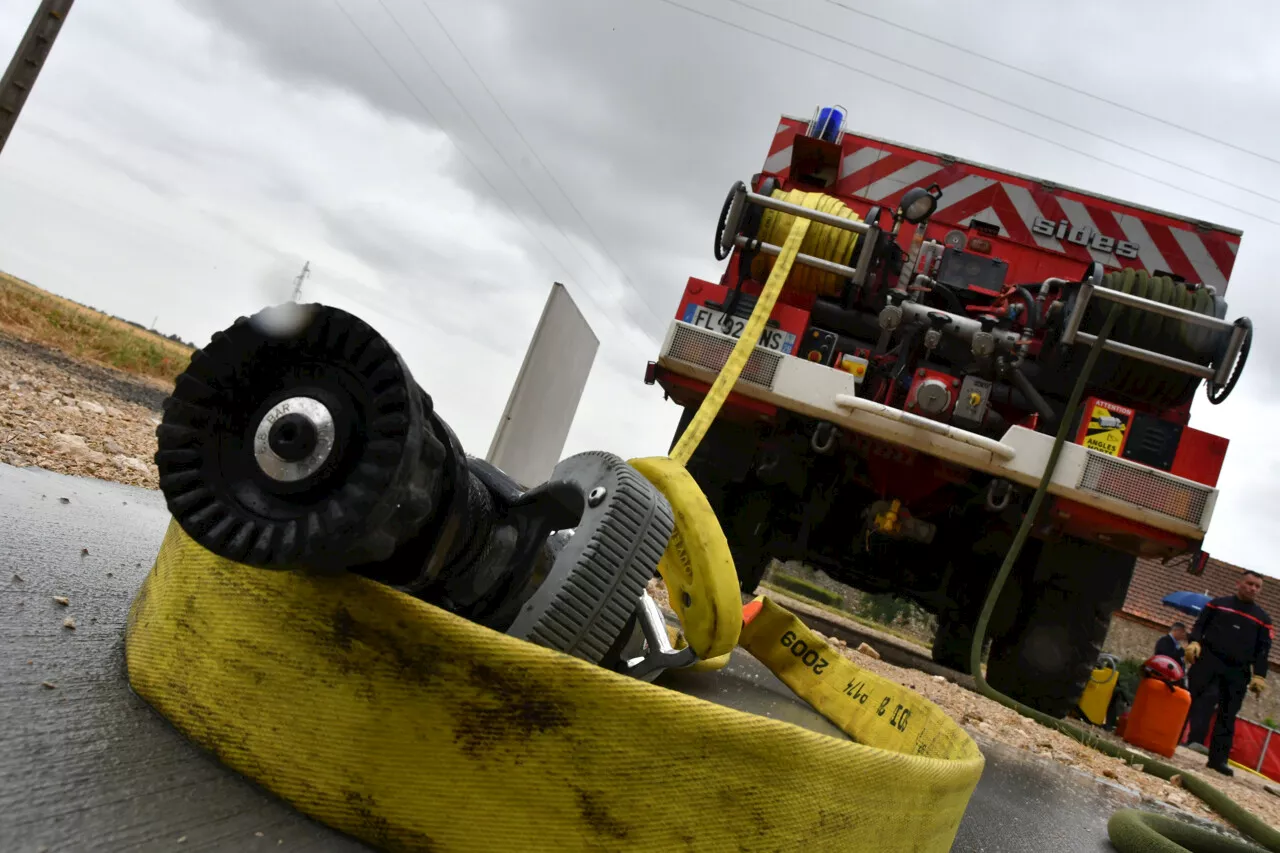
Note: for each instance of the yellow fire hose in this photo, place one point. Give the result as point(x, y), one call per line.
point(414, 729)
point(411, 728)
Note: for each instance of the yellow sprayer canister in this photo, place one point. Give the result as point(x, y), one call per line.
point(1098, 692)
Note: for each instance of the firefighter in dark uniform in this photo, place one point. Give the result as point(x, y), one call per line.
point(1228, 652)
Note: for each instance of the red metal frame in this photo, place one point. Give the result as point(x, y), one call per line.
point(688, 392)
point(1083, 521)
point(1200, 456)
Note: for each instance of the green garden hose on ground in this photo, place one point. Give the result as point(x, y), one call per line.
point(1130, 830)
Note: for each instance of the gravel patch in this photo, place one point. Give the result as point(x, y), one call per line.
point(983, 718)
point(75, 418)
point(989, 721)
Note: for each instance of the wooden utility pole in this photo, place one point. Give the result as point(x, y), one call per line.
point(27, 61)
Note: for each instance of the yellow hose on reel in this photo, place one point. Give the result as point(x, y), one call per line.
point(414, 729)
point(821, 241)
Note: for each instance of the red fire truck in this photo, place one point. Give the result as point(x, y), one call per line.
point(899, 408)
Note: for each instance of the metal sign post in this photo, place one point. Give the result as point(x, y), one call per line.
point(544, 400)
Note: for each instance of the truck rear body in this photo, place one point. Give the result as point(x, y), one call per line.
point(1150, 493)
point(899, 410)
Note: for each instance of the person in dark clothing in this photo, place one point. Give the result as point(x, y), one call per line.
point(1171, 644)
point(1228, 655)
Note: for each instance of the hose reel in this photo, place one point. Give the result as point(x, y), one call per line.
point(299, 440)
point(1159, 354)
point(758, 224)
point(1217, 392)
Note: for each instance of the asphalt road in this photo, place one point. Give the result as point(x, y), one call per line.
point(86, 765)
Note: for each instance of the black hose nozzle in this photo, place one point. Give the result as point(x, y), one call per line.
point(298, 439)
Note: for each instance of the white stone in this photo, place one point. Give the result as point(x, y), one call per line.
point(75, 446)
point(71, 439)
point(129, 463)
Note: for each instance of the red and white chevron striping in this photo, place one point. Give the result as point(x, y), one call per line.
point(1072, 223)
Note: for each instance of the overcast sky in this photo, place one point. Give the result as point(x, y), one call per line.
point(180, 159)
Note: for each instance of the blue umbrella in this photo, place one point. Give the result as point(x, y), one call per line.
point(1190, 603)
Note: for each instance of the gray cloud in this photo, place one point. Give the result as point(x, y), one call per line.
point(569, 101)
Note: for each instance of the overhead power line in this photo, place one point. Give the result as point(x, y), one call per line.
point(467, 156)
point(542, 164)
point(533, 194)
point(968, 111)
point(435, 121)
point(898, 61)
point(1045, 79)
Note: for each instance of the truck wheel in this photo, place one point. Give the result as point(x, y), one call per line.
point(1046, 657)
point(751, 568)
point(971, 574)
point(745, 529)
point(742, 517)
point(954, 637)
point(952, 642)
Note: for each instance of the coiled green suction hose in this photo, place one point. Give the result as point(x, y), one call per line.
point(1130, 830)
point(1158, 386)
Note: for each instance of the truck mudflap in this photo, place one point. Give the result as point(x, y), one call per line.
point(1126, 489)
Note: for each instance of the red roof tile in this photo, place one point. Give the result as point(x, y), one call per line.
point(1153, 581)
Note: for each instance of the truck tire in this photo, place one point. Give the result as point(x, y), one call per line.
point(952, 642)
point(970, 574)
point(745, 529)
point(1044, 660)
point(954, 637)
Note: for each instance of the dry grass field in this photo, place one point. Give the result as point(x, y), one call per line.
point(80, 390)
point(40, 317)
